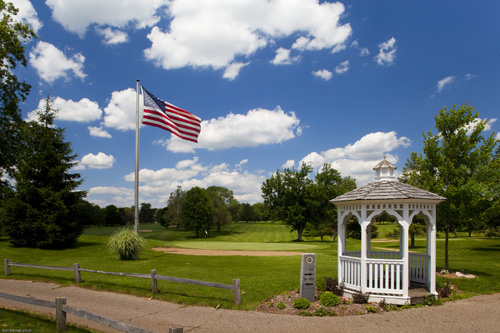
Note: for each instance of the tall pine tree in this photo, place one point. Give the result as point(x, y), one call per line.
point(43, 212)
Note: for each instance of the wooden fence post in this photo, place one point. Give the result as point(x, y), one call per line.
point(60, 314)
point(154, 282)
point(237, 292)
point(76, 271)
point(7, 267)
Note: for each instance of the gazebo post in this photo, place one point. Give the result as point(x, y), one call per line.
point(405, 255)
point(431, 252)
point(364, 250)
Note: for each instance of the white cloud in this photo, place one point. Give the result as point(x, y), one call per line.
point(357, 160)
point(113, 36)
point(487, 127)
point(99, 161)
point(121, 110)
point(52, 64)
point(158, 184)
point(77, 16)
point(110, 190)
point(27, 14)
point(288, 164)
point(342, 67)
point(82, 111)
point(497, 136)
point(233, 70)
point(323, 74)
point(364, 52)
point(338, 48)
point(257, 127)
point(283, 57)
point(214, 33)
point(387, 53)
point(444, 82)
point(98, 132)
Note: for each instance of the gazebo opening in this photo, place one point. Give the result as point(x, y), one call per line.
point(381, 273)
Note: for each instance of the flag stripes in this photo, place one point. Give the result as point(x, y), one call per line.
point(169, 117)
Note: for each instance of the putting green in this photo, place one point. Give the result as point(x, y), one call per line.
point(247, 246)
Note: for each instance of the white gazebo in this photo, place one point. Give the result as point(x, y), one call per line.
point(387, 274)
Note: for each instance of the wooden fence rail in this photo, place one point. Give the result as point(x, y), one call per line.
point(235, 287)
point(62, 309)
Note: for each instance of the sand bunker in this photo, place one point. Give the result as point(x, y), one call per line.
point(197, 252)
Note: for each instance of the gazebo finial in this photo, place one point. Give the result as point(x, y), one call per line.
point(385, 170)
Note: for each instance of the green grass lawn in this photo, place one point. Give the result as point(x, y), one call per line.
point(23, 321)
point(261, 277)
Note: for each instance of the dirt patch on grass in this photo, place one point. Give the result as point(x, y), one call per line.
point(198, 252)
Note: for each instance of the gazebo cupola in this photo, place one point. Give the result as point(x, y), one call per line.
point(387, 274)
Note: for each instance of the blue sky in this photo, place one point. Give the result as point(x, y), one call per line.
point(275, 82)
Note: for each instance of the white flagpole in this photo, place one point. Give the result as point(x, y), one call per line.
point(136, 216)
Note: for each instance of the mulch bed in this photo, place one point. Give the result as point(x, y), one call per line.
point(271, 306)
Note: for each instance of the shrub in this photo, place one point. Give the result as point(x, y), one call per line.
point(322, 312)
point(125, 244)
point(321, 285)
point(328, 299)
point(281, 306)
point(371, 308)
point(360, 298)
point(301, 303)
point(333, 286)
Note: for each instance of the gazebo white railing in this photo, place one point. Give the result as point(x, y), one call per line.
point(384, 271)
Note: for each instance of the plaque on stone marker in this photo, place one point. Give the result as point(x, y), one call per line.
point(308, 276)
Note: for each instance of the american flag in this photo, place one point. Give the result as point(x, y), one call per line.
point(169, 117)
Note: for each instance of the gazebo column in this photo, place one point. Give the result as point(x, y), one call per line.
point(405, 256)
point(364, 249)
point(431, 252)
point(341, 245)
point(369, 241)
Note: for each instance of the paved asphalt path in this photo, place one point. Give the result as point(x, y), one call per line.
point(477, 314)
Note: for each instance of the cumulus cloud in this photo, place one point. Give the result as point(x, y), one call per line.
point(77, 16)
point(288, 164)
point(27, 14)
point(52, 64)
point(112, 36)
point(121, 110)
point(82, 111)
point(283, 57)
point(257, 127)
point(324, 74)
point(158, 184)
point(233, 70)
point(387, 53)
point(342, 67)
point(110, 190)
point(98, 132)
point(358, 159)
point(214, 33)
point(99, 161)
point(441, 84)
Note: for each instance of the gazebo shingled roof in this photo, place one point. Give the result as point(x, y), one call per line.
point(387, 190)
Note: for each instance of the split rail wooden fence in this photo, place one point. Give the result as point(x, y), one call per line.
point(235, 287)
point(62, 309)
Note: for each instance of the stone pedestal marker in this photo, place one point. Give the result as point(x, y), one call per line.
point(308, 276)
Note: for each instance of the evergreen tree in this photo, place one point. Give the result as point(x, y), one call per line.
point(43, 212)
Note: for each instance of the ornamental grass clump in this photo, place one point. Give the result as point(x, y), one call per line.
point(125, 244)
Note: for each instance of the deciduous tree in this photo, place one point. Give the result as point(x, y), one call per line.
point(197, 212)
point(458, 163)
